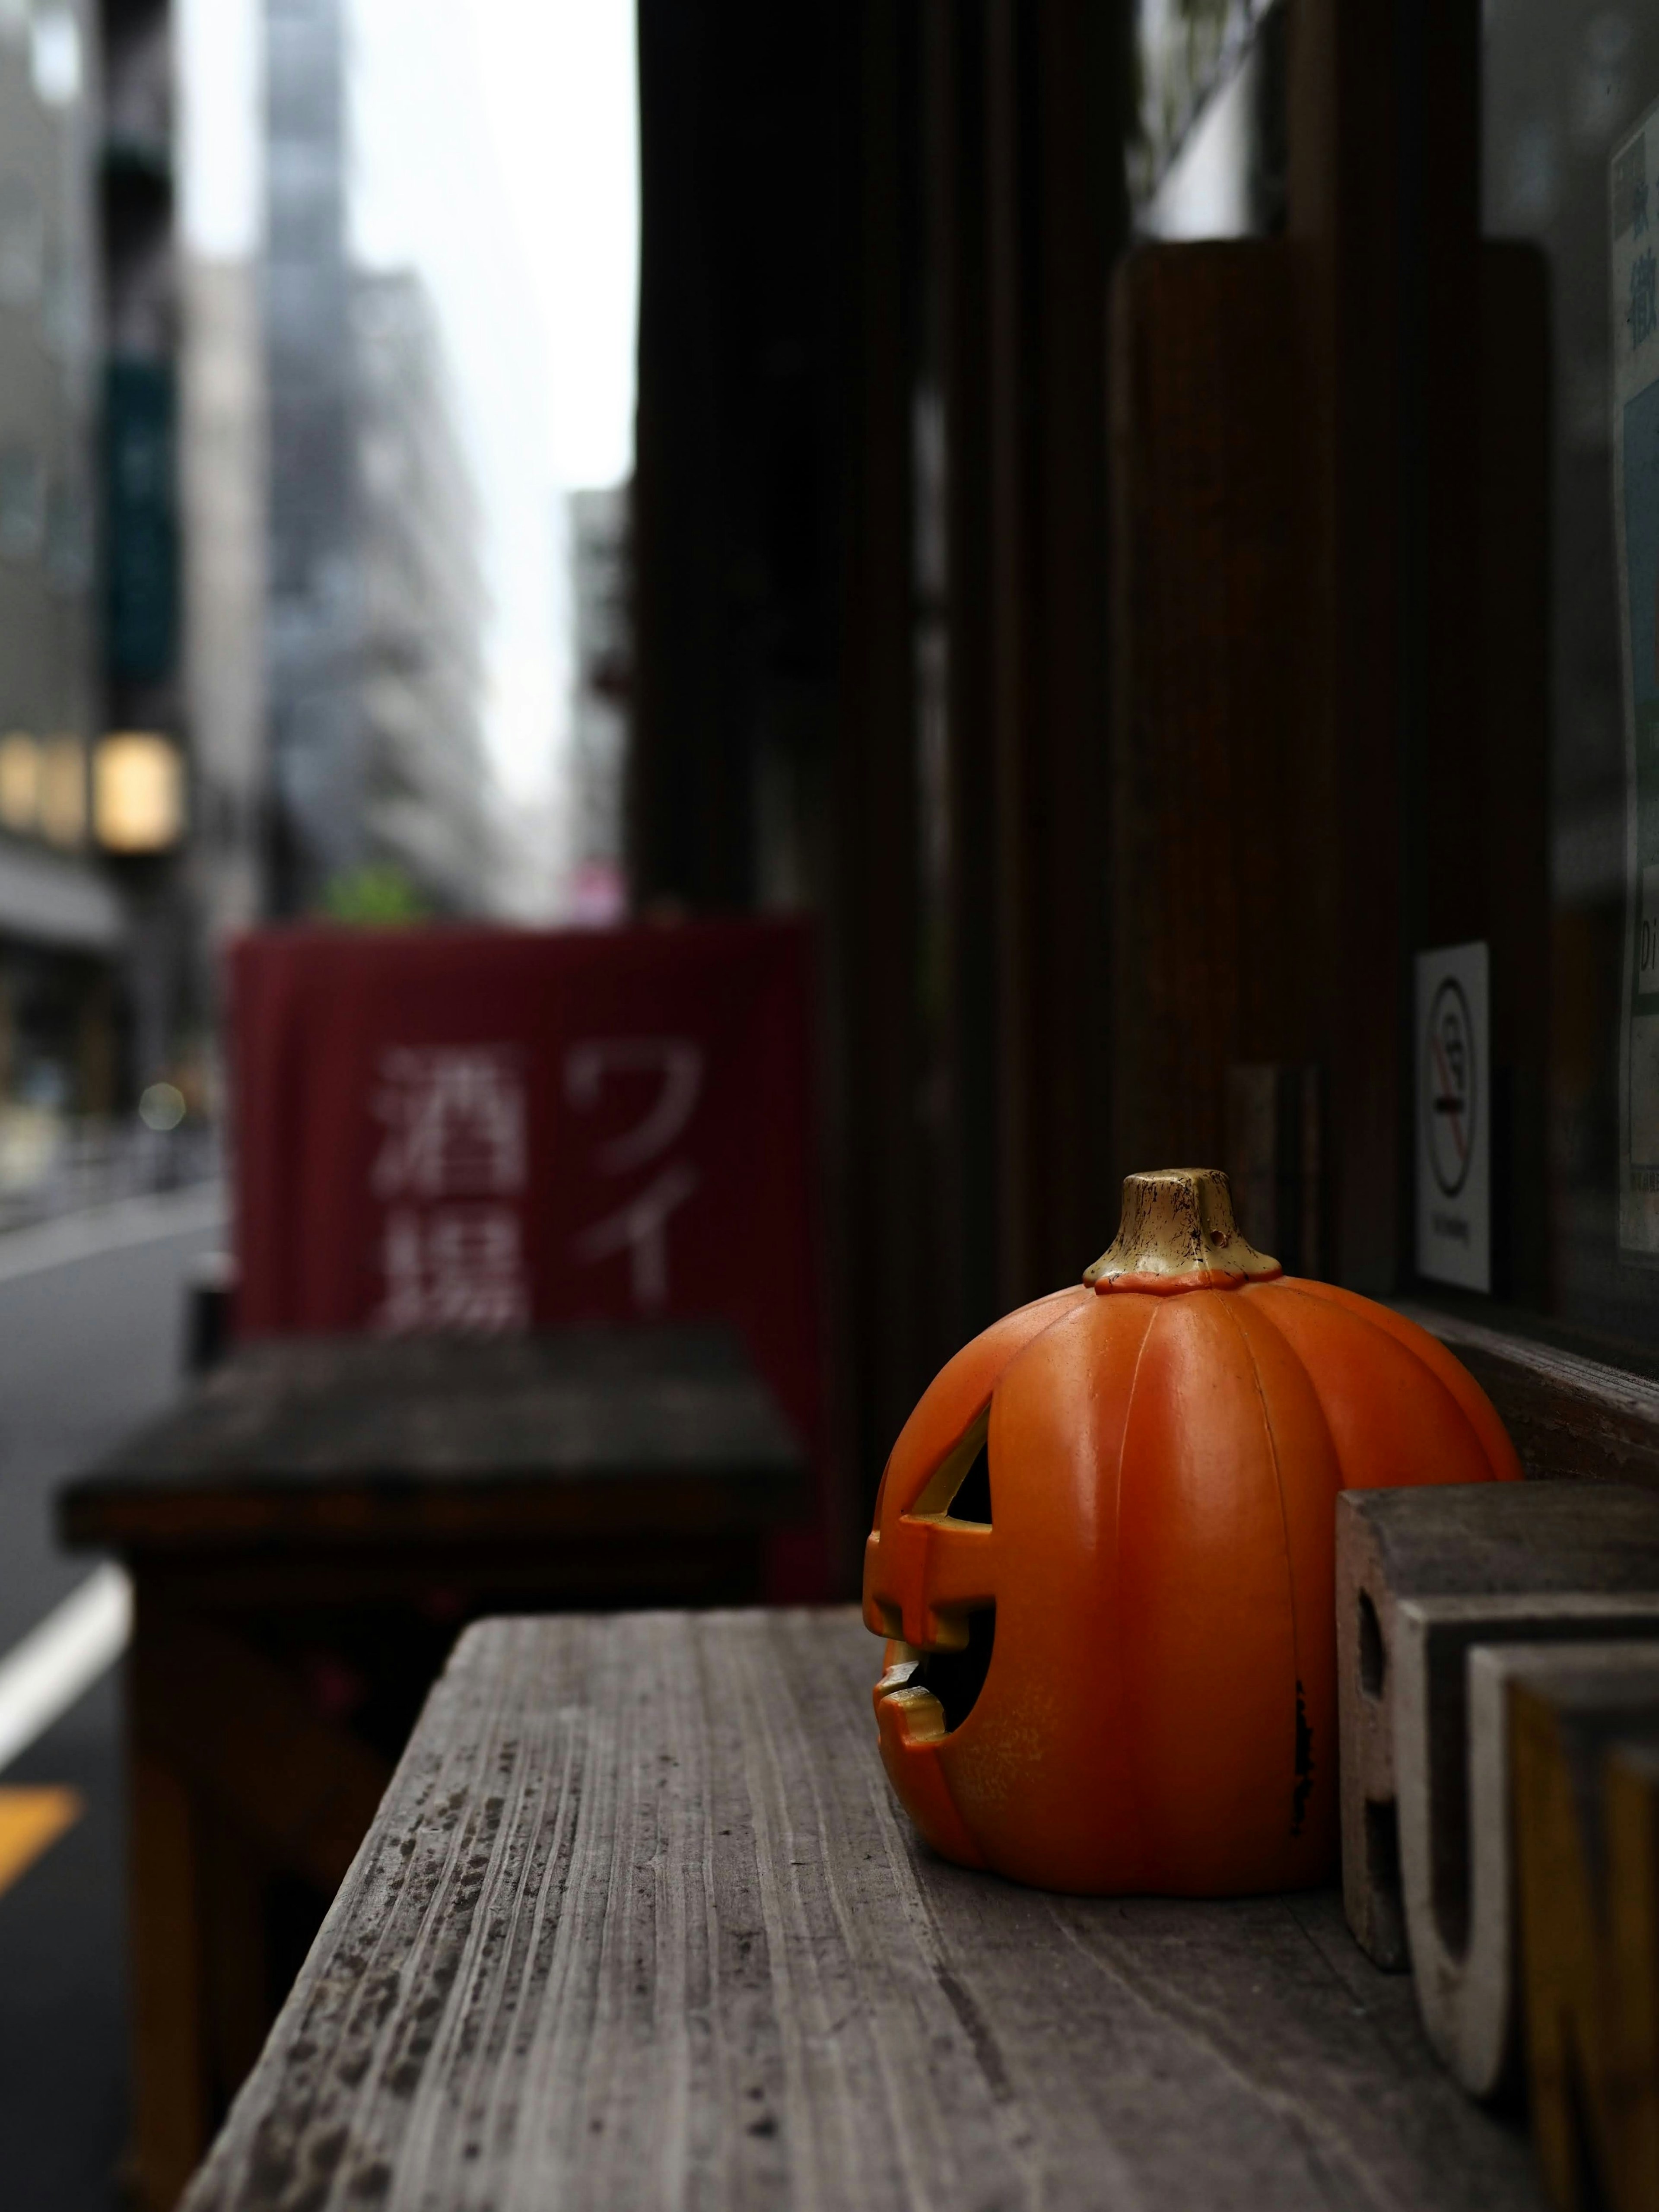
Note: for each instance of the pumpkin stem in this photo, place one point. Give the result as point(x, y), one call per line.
point(1177, 1233)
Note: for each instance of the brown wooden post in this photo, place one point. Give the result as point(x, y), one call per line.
point(1029, 185)
point(878, 1212)
point(969, 1164)
point(171, 2118)
point(1344, 127)
point(1220, 875)
point(1080, 105)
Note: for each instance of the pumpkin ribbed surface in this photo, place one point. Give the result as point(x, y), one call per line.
point(1159, 1710)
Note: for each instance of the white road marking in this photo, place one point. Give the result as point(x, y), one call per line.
point(58, 1661)
point(60, 1658)
point(112, 1228)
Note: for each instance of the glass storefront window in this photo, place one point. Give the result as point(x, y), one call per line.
point(1565, 81)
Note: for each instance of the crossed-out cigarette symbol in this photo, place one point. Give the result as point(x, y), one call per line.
point(1451, 1099)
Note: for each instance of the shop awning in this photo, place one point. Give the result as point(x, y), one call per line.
point(60, 903)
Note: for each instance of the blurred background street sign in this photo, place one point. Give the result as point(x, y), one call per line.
point(473, 1132)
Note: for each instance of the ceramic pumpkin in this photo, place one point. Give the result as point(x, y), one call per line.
point(1121, 1676)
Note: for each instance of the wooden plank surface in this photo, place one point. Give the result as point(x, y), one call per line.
point(288, 1426)
point(1571, 1417)
point(639, 1923)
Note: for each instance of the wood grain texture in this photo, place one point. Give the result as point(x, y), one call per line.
point(639, 1923)
point(583, 1430)
point(1572, 1418)
point(1586, 1804)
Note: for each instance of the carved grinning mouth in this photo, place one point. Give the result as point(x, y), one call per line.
point(940, 1688)
point(939, 1685)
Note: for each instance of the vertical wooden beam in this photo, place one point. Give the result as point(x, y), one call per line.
point(1078, 104)
point(1012, 793)
point(1038, 204)
point(690, 796)
point(1222, 880)
point(1344, 216)
point(959, 253)
point(882, 1267)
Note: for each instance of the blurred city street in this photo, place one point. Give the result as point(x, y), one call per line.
point(91, 1309)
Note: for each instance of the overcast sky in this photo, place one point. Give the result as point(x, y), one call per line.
point(493, 149)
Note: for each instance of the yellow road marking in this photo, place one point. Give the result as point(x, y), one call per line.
point(31, 1821)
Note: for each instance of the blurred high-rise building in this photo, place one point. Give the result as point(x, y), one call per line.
point(61, 928)
point(316, 748)
point(224, 493)
point(97, 978)
point(421, 604)
point(375, 606)
point(601, 599)
point(140, 813)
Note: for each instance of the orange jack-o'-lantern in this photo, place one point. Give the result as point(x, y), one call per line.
point(1116, 1671)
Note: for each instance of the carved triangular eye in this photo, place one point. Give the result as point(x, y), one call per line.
point(973, 1501)
point(961, 1484)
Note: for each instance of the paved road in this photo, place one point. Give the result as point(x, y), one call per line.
point(89, 1345)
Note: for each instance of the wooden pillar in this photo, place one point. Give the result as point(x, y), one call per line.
point(1027, 183)
point(1078, 104)
point(887, 1279)
point(689, 797)
point(966, 927)
point(1345, 125)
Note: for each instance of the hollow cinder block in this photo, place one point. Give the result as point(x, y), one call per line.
point(1425, 1578)
point(1454, 1659)
point(1584, 1747)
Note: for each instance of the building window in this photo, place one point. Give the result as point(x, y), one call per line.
point(64, 791)
point(22, 243)
point(137, 793)
point(54, 57)
point(20, 783)
point(22, 503)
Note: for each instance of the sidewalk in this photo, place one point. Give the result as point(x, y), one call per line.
point(81, 1167)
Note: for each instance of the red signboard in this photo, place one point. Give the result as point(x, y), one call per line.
point(459, 1129)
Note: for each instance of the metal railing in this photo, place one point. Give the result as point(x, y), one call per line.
point(53, 1165)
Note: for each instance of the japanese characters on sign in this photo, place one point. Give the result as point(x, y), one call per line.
point(1635, 228)
point(452, 1173)
point(492, 1131)
point(638, 1225)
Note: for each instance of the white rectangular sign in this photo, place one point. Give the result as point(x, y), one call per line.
point(1454, 1118)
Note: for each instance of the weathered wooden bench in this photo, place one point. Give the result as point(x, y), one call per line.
point(639, 1923)
point(306, 1535)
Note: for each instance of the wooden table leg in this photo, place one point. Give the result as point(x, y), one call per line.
point(169, 2085)
point(234, 1886)
point(234, 1776)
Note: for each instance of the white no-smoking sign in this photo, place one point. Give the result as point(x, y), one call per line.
point(1453, 1144)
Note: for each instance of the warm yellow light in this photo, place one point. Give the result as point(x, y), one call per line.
point(20, 781)
point(137, 793)
point(63, 791)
